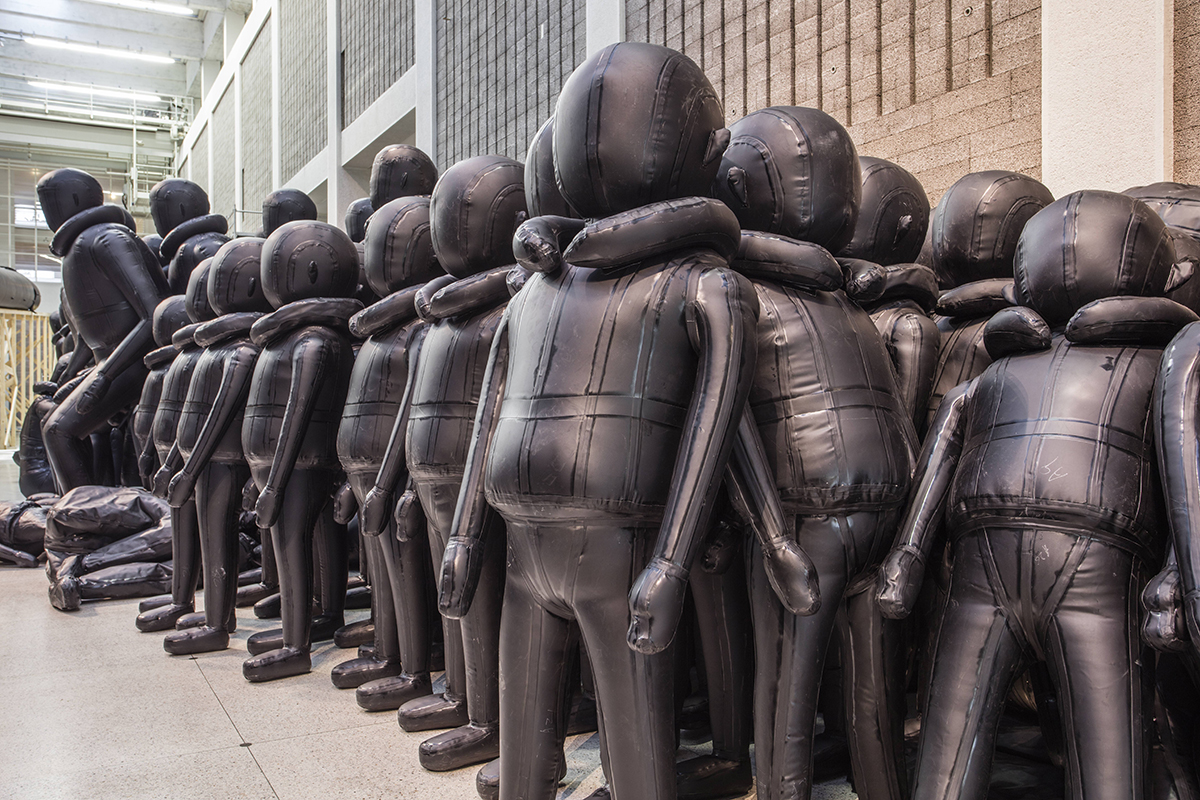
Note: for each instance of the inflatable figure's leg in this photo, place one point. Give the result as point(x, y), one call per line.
point(873, 658)
point(185, 555)
point(219, 489)
point(726, 639)
point(65, 428)
point(269, 581)
point(1178, 715)
point(331, 554)
point(448, 710)
point(307, 495)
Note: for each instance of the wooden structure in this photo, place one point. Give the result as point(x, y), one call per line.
point(26, 356)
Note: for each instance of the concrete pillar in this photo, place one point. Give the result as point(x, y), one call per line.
point(232, 24)
point(1107, 98)
point(276, 95)
point(605, 23)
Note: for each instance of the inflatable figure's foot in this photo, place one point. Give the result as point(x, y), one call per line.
point(432, 712)
point(357, 671)
point(250, 594)
point(388, 694)
point(192, 620)
point(268, 607)
point(196, 640)
point(162, 618)
point(710, 777)
point(582, 718)
point(321, 631)
point(461, 747)
point(354, 634)
point(358, 597)
point(487, 780)
point(64, 594)
point(366, 650)
point(600, 794)
point(153, 602)
point(831, 757)
point(250, 577)
point(282, 663)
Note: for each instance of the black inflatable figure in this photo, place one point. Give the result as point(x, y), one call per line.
point(612, 393)
point(400, 260)
point(401, 170)
point(838, 438)
point(286, 205)
point(902, 316)
point(154, 242)
point(184, 521)
point(893, 215)
point(357, 214)
point(1044, 467)
point(210, 436)
point(475, 209)
point(974, 235)
point(112, 283)
point(169, 317)
point(35, 476)
point(309, 271)
point(190, 234)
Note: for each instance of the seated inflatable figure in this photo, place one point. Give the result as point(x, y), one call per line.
point(400, 260)
point(309, 271)
point(112, 283)
point(838, 437)
point(209, 436)
point(1044, 468)
point(974, 235)
point(164, 433)
point(190, 234)
point(613, 391)
point(285, 205)
point(169, 317)
point(35, 475)
point(893, 215)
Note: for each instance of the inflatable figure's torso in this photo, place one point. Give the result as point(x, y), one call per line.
point(170, 403)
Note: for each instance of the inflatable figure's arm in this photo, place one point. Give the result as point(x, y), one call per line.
point(722, 316)
point(1176, 426)
point(310, 360)
point(410, 516)
point(148, 462)
point(171, 465)
point(1164, 627)
point(345, 504)
point(231, 396)
point(463, 560)
point(903, 570)
point(377, 505)
point(913, 342)
point(751, 487)
point(18, 557)
point(81, 356)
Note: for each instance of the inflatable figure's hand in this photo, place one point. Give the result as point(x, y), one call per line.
point(655, 606)
point(1191, 612)
point(900, 579)
point(461, 566)
point(410, 519)
point(180, 489)
point(793, 576)
point(268, 506)
point(162, 481)
point(65, 390)
point(146, 463)
point(1165, 628)
point(94, 393)
point(373, 514)
point(344, 504)
point(249, 496)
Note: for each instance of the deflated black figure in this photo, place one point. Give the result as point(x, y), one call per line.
point(474, 211)
point(170, 316)
point(400, 260)
point(112, 283)
point(974, 236)
point(1045, 470)
point(309, 271)
point(609, 405)
point(838, 438)
point(285, 205)
point(185, 532)
point(210, 436)
point(190, 234)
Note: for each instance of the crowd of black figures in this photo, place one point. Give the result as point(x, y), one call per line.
point(675, 401)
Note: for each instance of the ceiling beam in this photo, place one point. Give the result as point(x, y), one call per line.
point(25, 61)
point(83, 137)
point(140, 35)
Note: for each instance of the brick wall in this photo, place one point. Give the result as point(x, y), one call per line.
point(302, 82)
point(377, 48)
point(1187, 91)
point(223, 162)
point(942, 87)
point(500, 66)
point(256, 122)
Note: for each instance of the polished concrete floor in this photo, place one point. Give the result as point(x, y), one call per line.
point(92, 709)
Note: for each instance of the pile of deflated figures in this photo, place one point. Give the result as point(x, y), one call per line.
point(675, 430)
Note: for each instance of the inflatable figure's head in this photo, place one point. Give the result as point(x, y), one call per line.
point(976, 225)
point(199, 309)
point(541, 190)
point(154, 242)
point(474, 211)
point(636, 123)
point(399, 246)
point(286, 205)
point(357, 214)
point(306, 259)
point(1187, 249)
point(893, 216)
point(235, 277)
point(792, 171)
point(401, 170)
point(174, 201)
point(1087, 246)
point(63, 193)
point(169, 316)
point(1177, 203)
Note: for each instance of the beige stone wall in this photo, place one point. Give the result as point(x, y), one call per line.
point(943, 87)
point(1187, 91)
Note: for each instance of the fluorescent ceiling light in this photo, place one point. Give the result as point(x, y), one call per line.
point(113, 52)
point(87, 112)
point(116, 94)
point(150, 5)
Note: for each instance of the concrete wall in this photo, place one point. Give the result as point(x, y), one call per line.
point(303, 78)
point(1187, 91)
point(256, 127)
point(377, 48)
point(224, 167)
